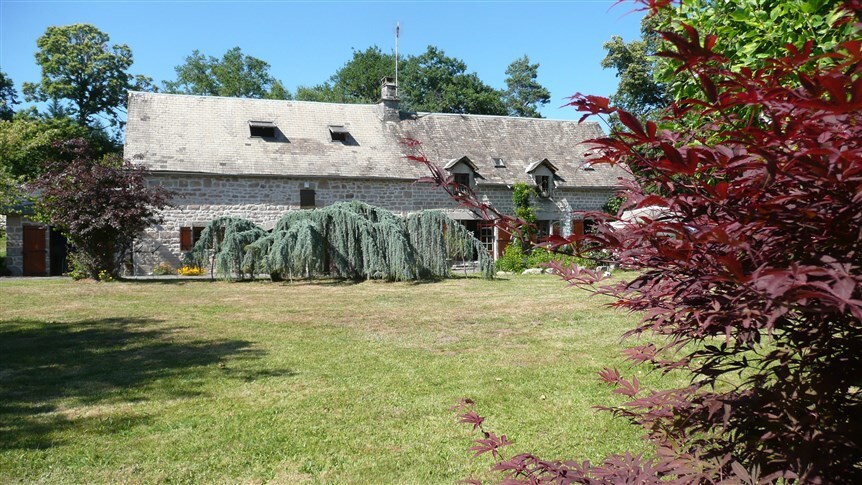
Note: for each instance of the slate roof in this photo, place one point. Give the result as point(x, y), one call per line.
point(206, 134)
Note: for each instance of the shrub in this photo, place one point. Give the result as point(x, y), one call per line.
point(541, 257)
point(76, 271)
point(524, 210)
point(191, 271)
point(513, 259)
point(164, 269)
point(516, 260)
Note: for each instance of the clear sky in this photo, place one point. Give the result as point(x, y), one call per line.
point(305, 42)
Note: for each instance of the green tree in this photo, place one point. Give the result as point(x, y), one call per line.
point(56, 110)
point(435, 82)
point(748, 32)
point(751, 31)
point(524, 95)
point(638, 92)
point(277, 91)
point(431, 81)
point(323, 93)
point(235, 75)
point(357, 81)
point(79, 64)
point(27, 143)
point(9, 192)
point(8, 97)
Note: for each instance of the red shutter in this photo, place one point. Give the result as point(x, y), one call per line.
point(578, 227)
point(185, 239)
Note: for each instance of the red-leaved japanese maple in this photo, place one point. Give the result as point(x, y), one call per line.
point(750, 277)
point(101, 206)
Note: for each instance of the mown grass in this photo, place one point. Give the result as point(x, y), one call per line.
point(198, 381)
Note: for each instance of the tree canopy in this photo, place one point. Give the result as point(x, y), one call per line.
point(79, 64)
point(751, 32)
point(747, 32)
point(435, 82)
point(431, 81)
point(235, 75)
point(27, 144)
point(638, 92)
point(8, 97)
point(357, 81)
point(524, 95)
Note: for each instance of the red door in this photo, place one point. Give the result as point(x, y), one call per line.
point(578, 227)
point(34, 251)
point(503, 238)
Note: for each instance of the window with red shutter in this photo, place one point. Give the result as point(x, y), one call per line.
point(186, 239)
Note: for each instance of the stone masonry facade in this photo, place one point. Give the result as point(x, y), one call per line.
point(198, 199)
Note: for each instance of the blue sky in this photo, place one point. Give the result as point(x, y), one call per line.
point(305, 42)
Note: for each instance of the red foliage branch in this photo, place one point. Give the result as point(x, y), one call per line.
point(751, 277)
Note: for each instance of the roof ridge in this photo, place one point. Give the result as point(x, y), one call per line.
point(418, 114)
point(206, 96)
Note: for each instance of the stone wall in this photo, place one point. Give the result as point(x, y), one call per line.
point(14, 245)
point(200, 199)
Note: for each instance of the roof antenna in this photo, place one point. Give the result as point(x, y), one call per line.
point(397, 32)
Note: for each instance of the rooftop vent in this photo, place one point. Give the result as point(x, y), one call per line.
point(261, 129)
point(338, 133)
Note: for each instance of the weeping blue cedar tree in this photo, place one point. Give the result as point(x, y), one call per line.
point(344, 240)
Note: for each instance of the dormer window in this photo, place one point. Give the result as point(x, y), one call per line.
point(462, 179)
point(463, 171)
point(338, 133)
point(543, 172)
point(261, 129)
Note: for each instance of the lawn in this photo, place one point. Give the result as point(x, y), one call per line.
point(199, 381)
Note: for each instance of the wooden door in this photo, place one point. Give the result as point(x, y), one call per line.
point(34, 251)
point(503, 239)
point(578, 227)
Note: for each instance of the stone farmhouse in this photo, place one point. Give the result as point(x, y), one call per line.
point(257, 159)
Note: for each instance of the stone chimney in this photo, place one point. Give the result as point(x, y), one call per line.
point(388, 105)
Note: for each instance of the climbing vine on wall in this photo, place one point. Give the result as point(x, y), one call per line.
point(345, 240)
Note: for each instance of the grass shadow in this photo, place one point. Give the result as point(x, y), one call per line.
point(49, 371)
